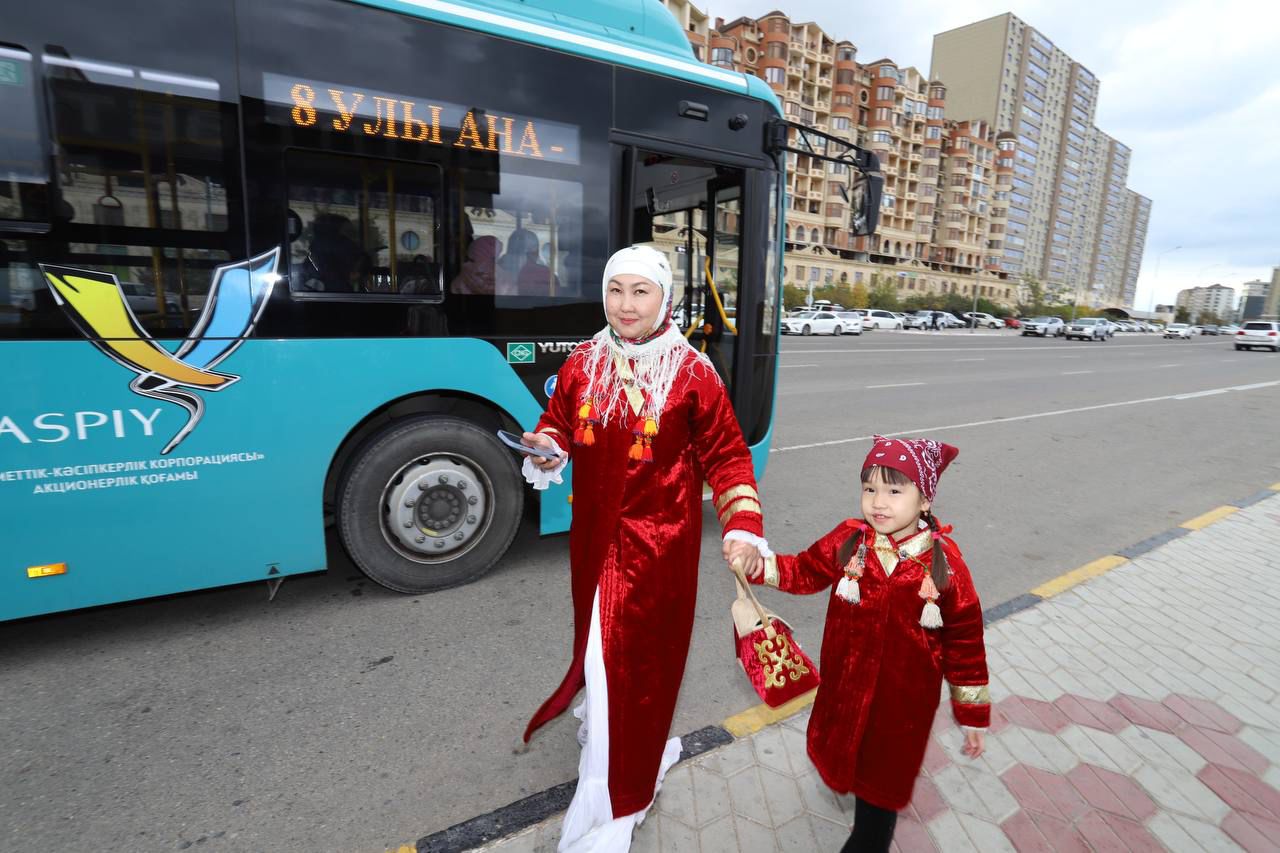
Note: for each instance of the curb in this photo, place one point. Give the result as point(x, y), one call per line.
point(512, 818)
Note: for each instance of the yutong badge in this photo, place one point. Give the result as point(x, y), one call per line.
point(523, 353)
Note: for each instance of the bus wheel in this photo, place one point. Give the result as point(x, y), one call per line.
point(429, 503)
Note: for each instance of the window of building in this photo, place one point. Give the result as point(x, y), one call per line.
point(883, 136)
point(934, 113)
point(884, 93)
point(882, 113)
point(777, 50)
point(775, 75)
point(889, 71)
point(933, 132)
point(807, 116)
point(778, 25)
point(840, 123)
point(846, 54)
point(845, 77)
point(937, 94)
point(722, 56)
point(843, 99)
point(1030, 113)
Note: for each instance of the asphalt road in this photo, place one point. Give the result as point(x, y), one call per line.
point(342, 717)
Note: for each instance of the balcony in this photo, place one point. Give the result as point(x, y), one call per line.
point(824, 81)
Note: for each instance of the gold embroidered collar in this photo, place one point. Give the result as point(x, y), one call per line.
point(890, 552)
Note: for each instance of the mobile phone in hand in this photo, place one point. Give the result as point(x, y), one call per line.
point(513, 441)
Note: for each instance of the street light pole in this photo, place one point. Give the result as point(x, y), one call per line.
point(1155, 282)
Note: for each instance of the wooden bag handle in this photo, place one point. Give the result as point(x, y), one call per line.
point(743, 587)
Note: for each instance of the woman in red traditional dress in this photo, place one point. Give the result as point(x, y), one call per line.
point(646, 420)
point(903, 615)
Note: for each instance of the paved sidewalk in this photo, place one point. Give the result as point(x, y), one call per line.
point(1136, 711)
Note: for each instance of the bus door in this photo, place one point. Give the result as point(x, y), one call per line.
point(691, 210)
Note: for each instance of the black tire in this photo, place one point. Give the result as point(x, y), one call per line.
point(838, 331)
point(1238, 347)
point(402, 457)
point(806, 330)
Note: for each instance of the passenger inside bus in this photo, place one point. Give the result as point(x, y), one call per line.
point(479, 271)
point(521, 271)
point(335, 263)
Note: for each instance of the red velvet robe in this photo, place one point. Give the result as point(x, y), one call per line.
point(637, 533)
point(881, 671)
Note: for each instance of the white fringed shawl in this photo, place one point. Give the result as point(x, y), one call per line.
point(656, 365)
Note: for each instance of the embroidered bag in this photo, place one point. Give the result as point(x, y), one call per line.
point(776, 666)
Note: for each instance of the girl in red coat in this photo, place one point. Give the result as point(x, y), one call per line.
point(903, 615)
point(647, 421)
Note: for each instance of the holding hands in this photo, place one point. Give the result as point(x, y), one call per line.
point(751, 560)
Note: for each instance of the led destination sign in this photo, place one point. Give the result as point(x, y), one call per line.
point(364, 112)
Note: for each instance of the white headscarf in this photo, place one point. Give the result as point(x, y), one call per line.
point(644, 261)
point(656, 363)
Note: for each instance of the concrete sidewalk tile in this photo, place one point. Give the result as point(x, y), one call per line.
point(526, 841)
point(675, 836)
point(1162, 748)
point(986, 835)
point(1093, 713)
point(1038, 749)
point(747, 795)
point(1145, 712)
point(782, 795)
point(1203, 714)
point(936, 756)
point(909, 836)
point(976, 792)
point(1227, 750)
point(1179, 832)
point(730, 759)
point(796, 836)
point(718, 837)
point(1044, 793)
point(1217, 657)
point(1180, 791)
point(926, 801)
point(1187, 683)
point(1235, 682)
point(796, 745)
point(1265, 742)
point(1272, 777)
point(647, 837)
point(710, 796)
point(1255, 834)
point(949, 836)
point(819, 799)
point(1033, 714)
point(1252, 712)
point(1242, 791)
point(830, 835)
point(1100, 748)
point(676, 797)
point(754, 838)
point(771, 752)
point(1128, 679)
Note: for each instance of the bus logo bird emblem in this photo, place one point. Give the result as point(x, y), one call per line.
point(98, 307)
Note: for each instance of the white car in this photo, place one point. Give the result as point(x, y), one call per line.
point(814, 323)
point(1088, 329)
point(1260, 334)
point(1045, 327)
point(876, 318)
point(852, 322)
point(982, 319)
point(1178, 331)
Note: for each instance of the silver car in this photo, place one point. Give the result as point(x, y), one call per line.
point(1043, 326)
point(1089, 329)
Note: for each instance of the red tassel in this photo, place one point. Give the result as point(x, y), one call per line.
point(648, 454)
point(588, 436)
point(578, 436)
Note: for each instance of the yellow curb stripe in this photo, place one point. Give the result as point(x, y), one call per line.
point(1062, 583)
point(754, 719)
point(1275, 487)
point(1202, 521)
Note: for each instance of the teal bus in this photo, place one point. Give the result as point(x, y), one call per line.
point(270, 266)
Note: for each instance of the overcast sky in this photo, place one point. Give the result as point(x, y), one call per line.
point(1193, 87)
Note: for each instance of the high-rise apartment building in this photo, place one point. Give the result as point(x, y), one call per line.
point(1216, 299)
point(936, 234)
point(1067, 201)
point(1137, 217)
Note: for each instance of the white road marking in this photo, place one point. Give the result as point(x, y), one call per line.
point(970, 359)
point(1034, 416)
point(1075, 372)
point(1178, 364)
point(797, 365)
point(895, 385)
point(868, 350)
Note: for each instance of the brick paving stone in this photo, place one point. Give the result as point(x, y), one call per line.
point(1179, 832)
point(910, 836)
point(1223, 749)
point(1033, 714)
point(949, 836)
point(1095, 714)
point(1272, 777)
point(976, 792)
point(1255, 834)
point(926, 801)
point(1107, 832)
point(1238, 684)
point(1252, 712)
point(1032, 832)
point(1129, 680)
point(935, 757)
point(1162, 748)
point(1144, 712)
point(1081, 684)
point(1178, 790)
point(1038, 749)
point(1242, 791)
point(1187, 683)
point(985, 835)
point(1094, 788)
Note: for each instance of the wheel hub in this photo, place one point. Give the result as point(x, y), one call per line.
point(436, 508)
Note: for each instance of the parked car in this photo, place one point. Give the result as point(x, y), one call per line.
point(1125, 326)
point(1178, 331)
point(979, 318)
point(1229, 329)
point(851, 322)
point(1209, 329)
point(1012, 322)
point(1089, 329)
point(813, 323)
point(918, 320)
point(877, 318)
point(1044, 327)
point(1259, 334)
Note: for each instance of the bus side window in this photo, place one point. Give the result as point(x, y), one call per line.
point(24, 176)
point(360, 226)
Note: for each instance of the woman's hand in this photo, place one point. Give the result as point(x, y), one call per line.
point(752, 562)
point(975, 741)
point(542, 442)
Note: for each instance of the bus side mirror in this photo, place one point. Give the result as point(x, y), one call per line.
point(864, 193)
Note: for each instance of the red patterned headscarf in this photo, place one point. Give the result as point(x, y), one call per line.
point(921, 459)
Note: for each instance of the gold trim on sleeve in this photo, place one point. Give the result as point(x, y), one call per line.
point(740, 505)
point(978, 694)
point(771, 571)
point(731, 494)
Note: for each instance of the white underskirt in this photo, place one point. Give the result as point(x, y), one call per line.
point(589, 824)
